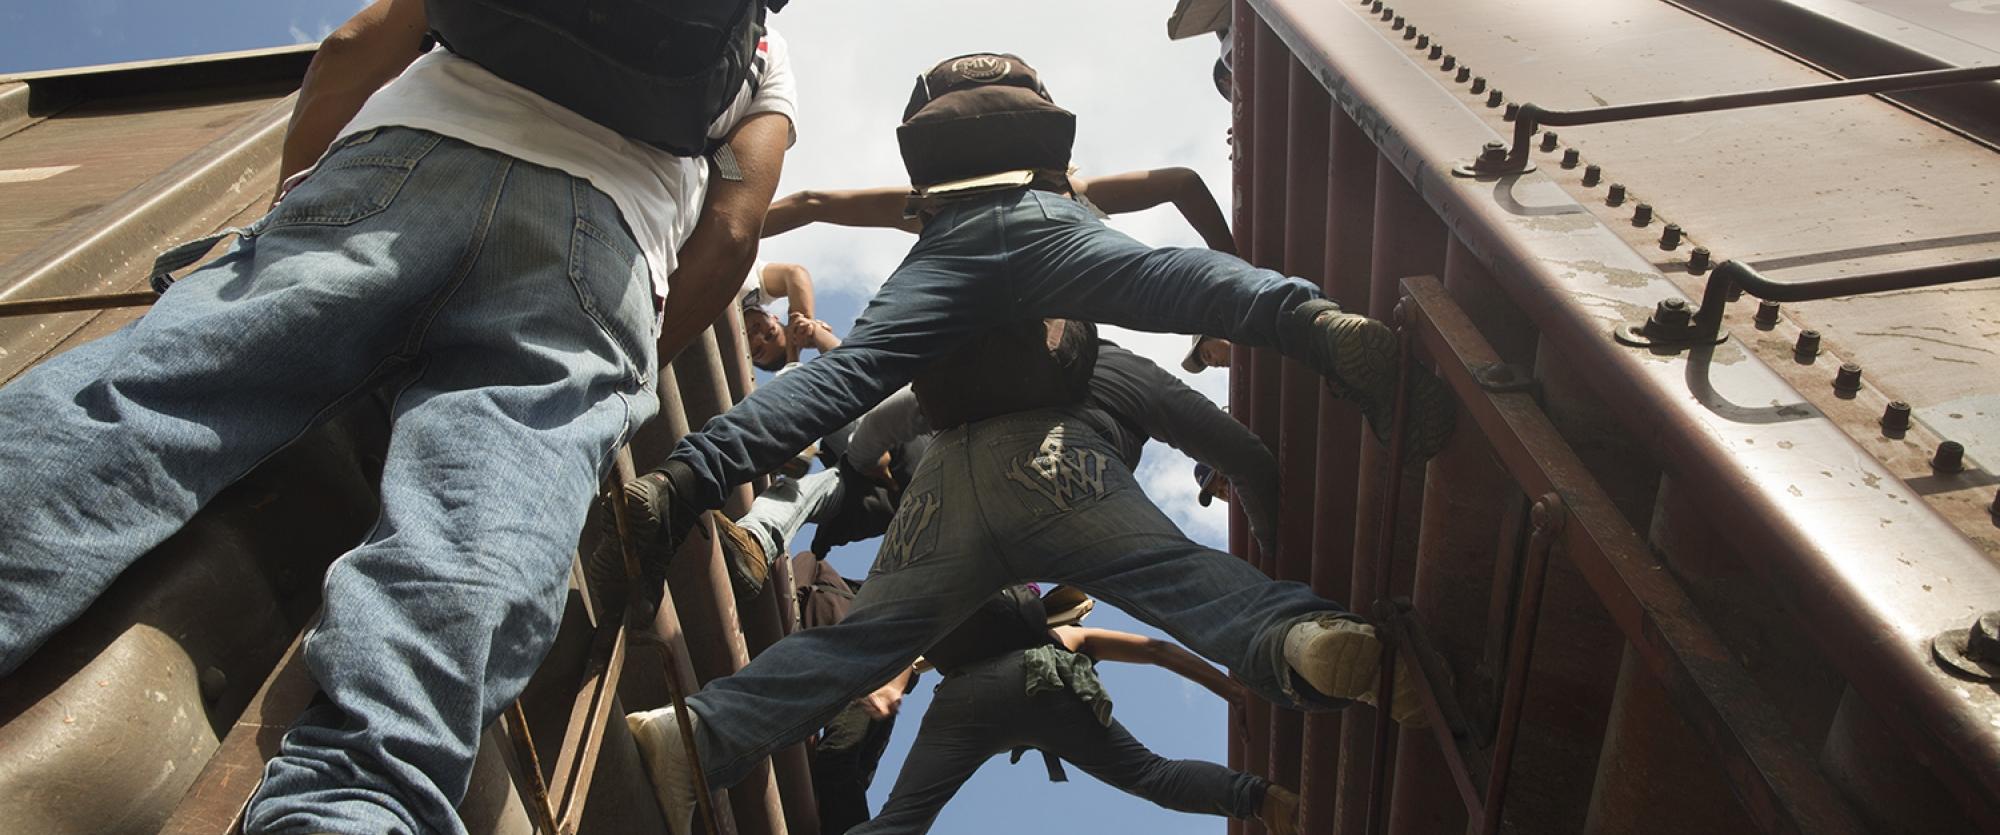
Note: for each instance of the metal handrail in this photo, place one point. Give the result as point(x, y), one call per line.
point(1530, 118)
point(1730, 276)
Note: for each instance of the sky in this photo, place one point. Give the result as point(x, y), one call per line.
point(1142, 102)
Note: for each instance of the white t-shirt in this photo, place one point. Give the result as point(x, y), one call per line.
point(659, 194)
point(752, 294)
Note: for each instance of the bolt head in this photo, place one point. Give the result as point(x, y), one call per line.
point(1982, 643)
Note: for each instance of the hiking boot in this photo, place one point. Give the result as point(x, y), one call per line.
point(1280, 811)
point(659, 513)
point(1357, 356)
point(743, 555)
point(664, 753)
point(1343, 659)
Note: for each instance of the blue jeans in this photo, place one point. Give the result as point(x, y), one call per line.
point(1032, 496)
point(982, 262)
point(777, 515)
point(511, 311)
point(986, 710)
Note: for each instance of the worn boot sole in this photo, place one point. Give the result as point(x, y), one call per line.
point(1362, 357)
point(748, 565)
point(1340, 658)
point(645, 512)
point(667, 763)
point(1280, 813)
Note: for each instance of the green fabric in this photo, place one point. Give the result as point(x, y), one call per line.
point(1052, 669)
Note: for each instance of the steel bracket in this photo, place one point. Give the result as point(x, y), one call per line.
point(1673, 325)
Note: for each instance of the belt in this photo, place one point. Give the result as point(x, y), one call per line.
point(930, 199)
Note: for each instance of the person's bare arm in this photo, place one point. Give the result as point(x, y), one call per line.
point(723, 244)
point(354, 61)
point(1108, 645)
point(790, 282)
point(1135, 191)
point(865, 207)
point(887, 699)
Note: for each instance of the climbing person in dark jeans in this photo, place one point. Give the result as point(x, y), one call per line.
point(1135, 401)
point(1022, 485)
point(1004, 241)
point(1012, 683)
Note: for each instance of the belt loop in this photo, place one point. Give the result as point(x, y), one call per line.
point(186, 254)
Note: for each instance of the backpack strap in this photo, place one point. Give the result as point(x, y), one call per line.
point(1049, 761)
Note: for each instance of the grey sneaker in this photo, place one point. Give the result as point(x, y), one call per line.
point(1357, 356)
point(743, 556)
point(667, 763)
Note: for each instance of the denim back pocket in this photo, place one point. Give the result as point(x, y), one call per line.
point(1056, 471)
point(358, 179)
point(613, 287)
point(1057, 207)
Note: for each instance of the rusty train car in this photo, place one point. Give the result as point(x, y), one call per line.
point(1713, 548)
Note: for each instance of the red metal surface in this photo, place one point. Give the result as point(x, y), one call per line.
point(1836, 594)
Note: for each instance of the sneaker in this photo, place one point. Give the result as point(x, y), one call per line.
point(1280, 811)
point(664, 754)
point(743, 555)
point(1358, 356)
point(1343, 659)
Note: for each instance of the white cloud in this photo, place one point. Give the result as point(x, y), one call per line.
point(1167, 476)
point(1141, 102)
point(301, 35)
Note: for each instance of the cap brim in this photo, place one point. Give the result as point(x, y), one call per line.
point(1192, 362)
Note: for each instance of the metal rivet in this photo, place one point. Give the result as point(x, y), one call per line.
point(1807, 347)
point(1388, 13)
point(1642, 214)
point(1973, 652)
point(1950, 457)
point(1698, 259)
point(1478, 85)
point(1571, 158)
point(1495, 151)
point(1375, 6)
point(1670, 237)
point(1463, 74)
point(1410, 33)
point(1767, 313)
point(1513, 110)
point(1847, 380)
point(1437, 51)
point(1494, 98)
point(1592, 174)
point(1614, 195)
point(1548, 140)
point(1397, 23)
point(1896, 419)
point(1450, 61)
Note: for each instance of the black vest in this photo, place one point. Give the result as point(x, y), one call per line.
point(1011, 620)
point(982, 114)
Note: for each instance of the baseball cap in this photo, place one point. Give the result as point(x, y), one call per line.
point(1203, 474)
point(1192, 362)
